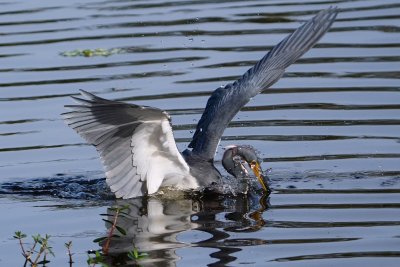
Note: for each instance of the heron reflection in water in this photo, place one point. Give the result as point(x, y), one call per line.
point(136, 143)
point(157, 226)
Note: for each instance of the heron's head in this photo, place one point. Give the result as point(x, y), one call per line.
point(234, 161)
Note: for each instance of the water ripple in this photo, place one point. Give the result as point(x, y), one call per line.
point(329, 130)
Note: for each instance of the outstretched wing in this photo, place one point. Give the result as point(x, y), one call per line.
point(135, 143)
point(225, 102)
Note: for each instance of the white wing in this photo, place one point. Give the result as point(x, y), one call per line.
point(136, 143)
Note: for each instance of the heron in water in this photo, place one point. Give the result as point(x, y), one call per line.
point(136, 143)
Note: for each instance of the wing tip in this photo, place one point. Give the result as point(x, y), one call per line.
point(89, 95)
point(327, 16)
point(85, 98)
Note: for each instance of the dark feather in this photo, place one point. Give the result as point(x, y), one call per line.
point(225, 103)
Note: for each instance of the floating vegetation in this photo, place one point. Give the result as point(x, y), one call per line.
point(92, 52)
point(37, 253)
point(134, 254)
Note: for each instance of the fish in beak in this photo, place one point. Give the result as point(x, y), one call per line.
point(256, 168)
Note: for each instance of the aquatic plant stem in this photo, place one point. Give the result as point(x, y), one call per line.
point(68, 245)
point(38, 256)
point(110, 233)
point(22, 247)
point(28, 255)
point(24, 253)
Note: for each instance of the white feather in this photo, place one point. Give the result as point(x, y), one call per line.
point(156, 156)
point(136, 145)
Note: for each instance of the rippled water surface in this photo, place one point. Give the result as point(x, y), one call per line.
point(329, 129)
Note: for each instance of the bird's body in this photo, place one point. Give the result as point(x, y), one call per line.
point(136, 143)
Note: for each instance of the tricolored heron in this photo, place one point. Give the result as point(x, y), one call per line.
point(136, 143)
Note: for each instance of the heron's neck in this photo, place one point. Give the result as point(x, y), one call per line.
point(203, 170)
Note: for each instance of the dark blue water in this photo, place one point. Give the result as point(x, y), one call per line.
point(329, 129)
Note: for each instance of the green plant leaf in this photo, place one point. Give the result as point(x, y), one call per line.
point(131, 255)
point(91, 52)
point(125, 207)
point(98, 255)
point(143, 255)
point(19, 235)
point(106, 214)
point(108, 221)
point(121, 230)
point(43, 262)
point(37, 238)
point(50, 250)
point(134, 254)
point(98, 240)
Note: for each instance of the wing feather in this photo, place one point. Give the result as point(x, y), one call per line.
point(225, 102)
point(135, 143)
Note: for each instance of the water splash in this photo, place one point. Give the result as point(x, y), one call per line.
point(76, 187)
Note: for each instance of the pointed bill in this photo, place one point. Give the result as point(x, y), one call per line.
point(256, 168)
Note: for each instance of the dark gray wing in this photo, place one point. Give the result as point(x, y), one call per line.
point(225, 102)
point(135, 143)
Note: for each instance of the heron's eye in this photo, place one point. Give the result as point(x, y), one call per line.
point(253, 163)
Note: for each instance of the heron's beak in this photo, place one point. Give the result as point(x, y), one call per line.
point(255, 166)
